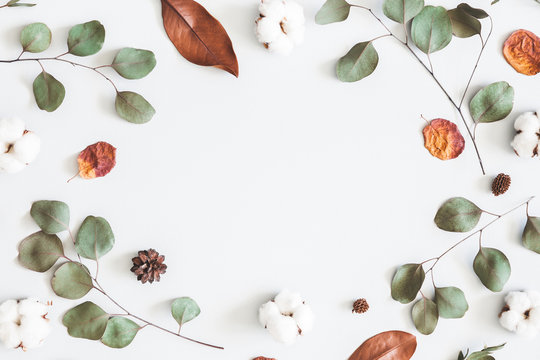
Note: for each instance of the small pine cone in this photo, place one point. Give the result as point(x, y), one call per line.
point(148, 266)
point(360, 306)
point(500, 184)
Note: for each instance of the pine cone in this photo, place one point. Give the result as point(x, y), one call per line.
point(500, 184)
point(148, 266)
point(360, 306)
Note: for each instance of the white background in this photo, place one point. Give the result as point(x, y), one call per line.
point(283, 178)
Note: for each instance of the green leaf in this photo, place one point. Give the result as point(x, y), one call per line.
point(15, 3)
point(51, 216)
point(40, 251)
point(407, 282)
point(492, 268)
point(86, 39)
point(461, 356)
point(333, 11)
point(184, 309)
point(87, 321)
point(477, 13)
point(48, 92)
point(133, 107)
point(531, 234)
point(451, 302)
point(36, 38)
point(120, 332)
point(458, 215)
point(402, 11)
point(463, 24)
point(358, 63)
point(95, 238)
point(494, 348)
point(431, 30)
point(425, 316)
point(133, 63)
point(71, 281)
point(492, 103)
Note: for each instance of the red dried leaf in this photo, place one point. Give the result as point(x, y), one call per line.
point(443, 139)
point(198, 36)
point(263, 358)
point(96, 160)
point(389, 345)
point(522, 51)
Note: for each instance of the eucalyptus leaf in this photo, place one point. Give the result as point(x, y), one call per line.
point(133, 107)
point(407, 282)
point(184, 309)
point(494, 348)
point(431, 30)
point(133, 63)
point(35, 38)
point(333, 11)
point(95, 238)
point(51, 216)
point(120, 332)
point(531, 234)
point(358, 63)
point(71, 281)
point(464, 25)
point(86, 39)
point(87, 321)
point(492, 268)
point(40, 251)
point(458, 215)
point(492, 103)
point(425, 316)
point(477, 13)
point(16, 3)
point(402, 11)
point(451, 302)
point(48, 92)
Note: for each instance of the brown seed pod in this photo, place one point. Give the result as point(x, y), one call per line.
point(522, 51)
point(500, 184)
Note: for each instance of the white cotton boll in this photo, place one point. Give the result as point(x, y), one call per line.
point(526, 328)
point(268, 311)
point(518, 301)
point(283, 329)
point(288, 301)
point(268, 30)
point(534, 297)
point(534, 317)
point(27, 148)
point(11, 129)
point(294, 13)
point(527, 122)
point(524, 144)
point(9, 164)
point(9, 335)
point(9, 311)
point(31, 307)
point(3, 147)
point(272, 8)
point(295, 33)
point(33, 331)
point(303, 315)
point(281, 45)
point(510, 320)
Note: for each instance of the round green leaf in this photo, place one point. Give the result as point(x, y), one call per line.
point(425, 316)
point(358, 63)
point(51, 216)
point(531, 234)
point(86, 39)
point(407, 282)
point(71, 281)
point(133, 107)
point(492, 268)
point(477, 13)
point(120, 332)
point(87, 321)
point(492, 103)
point(40, 251)
point(458, 215)
point(95, 238)
point(36, 38)
point(402, 11)
point(431, 30)
point(133, 63)
point(184, 309)
point(48, 92)
point(463, 24)
point(451, 302)
point(333, 11)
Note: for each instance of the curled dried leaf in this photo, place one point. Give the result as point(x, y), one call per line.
point(389, 345)
point(522, 51)
point(263, 358)
point(96, 160)
point(443, 139)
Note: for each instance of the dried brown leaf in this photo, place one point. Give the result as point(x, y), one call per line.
point(389, 345)
point(263, 358)
point(443, 139)
point(522, 51)
point(96, 160)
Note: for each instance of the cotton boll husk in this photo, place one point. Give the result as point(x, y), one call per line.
point(518, 301)
point(9, 311)
point(527, 122)
point(26, 149)
point(294, 13)
point(303, 315)
point(282, 44)
point(33, 331)
point(268, 311)
point(9, 335)
point(534, 297)
point(31, 307)
point(9, 164)
point(526, 328)
point(510, 319)
point(288, 301)
point(268, 30)
point(283, 329)
point(11, 129)
point(272, 8)
point(524, 144)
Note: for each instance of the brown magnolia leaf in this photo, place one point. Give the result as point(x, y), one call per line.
point(198, 36)
point(263, 358)
point(443, 139)
point(96, 160)
point(522, 51)
point(389, 345)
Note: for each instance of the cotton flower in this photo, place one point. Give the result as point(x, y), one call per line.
point(526, 141)
point(23, 323)
point(281, 25)
point(521, 314)
point(18, 147)
point(286, 317)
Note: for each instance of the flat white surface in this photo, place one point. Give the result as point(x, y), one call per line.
point(283, 178)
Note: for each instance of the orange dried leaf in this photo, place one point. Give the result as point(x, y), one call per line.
point(96, 160)
point(389, 345)
point(443, 139)
point(522, 51)
point(263, 358)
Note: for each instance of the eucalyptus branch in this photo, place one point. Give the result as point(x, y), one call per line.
point(16, 3)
